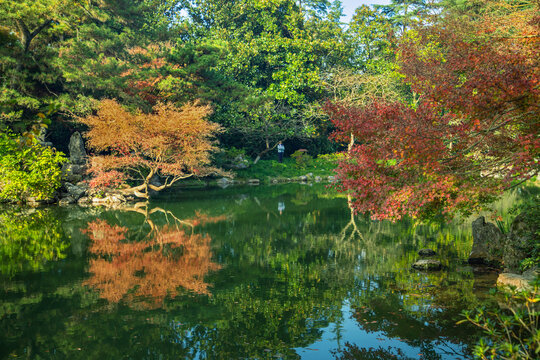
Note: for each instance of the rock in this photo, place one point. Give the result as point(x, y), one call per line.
point(239, 162)
point(426, 252)
point(109, 199)
point(73, 169)
point(77, 153)
point(253, 182)
point(310, 175)
point(74, 191)
point(520, 282)
point(32, 201)
point(84, 201)
point(274, 181)
point(427, 264)
point(156, 181)
point(331, 179)
point(303, 178)
point(318, 179)
point(73, 173)
point(66, 201)
point(224, 182)
point(519, 244)
point(488, 243)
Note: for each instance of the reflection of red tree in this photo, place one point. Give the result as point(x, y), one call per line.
point(152, 268)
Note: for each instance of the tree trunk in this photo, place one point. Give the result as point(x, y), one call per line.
point(26, 35)
point(268, 148)
point(142, 191)
point(351, 144)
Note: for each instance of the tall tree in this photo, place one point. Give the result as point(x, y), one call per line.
point(277, 49)
point(60, 55)
point(473, 133)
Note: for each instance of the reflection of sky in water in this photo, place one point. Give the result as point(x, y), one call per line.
point(334, 339)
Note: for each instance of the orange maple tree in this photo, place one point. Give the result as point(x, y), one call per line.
point(151, 269)
point(169, 142)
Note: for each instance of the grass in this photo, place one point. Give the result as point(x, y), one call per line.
point(269, 169)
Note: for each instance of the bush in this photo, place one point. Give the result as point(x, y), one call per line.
point(513, 331)
point(302, 158)
point(230, 158)
point(28, 169)
point(531, 207)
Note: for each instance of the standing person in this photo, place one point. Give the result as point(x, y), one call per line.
point(280, 151)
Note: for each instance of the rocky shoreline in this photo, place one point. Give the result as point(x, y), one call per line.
point(494, 251)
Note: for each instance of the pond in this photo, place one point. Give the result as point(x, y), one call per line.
point(269, 272)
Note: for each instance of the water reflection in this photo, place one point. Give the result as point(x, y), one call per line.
point(29, 239)
point(223, 275)
point(168, 257)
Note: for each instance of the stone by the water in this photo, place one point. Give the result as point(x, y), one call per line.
point(488, 242)
point(77, 152)
point(427, 264)
point(519, 282)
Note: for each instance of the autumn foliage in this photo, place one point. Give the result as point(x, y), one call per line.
point(148, 270)
point(169, 142)
point(473, 133)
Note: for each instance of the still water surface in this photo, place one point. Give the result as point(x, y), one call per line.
point(281, 272)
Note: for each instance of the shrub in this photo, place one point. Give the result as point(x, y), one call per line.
point(513, 331)
point(302, 158)
point(28, 169)
point(228, 158)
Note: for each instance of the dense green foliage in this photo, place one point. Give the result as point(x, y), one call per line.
point(28, 169)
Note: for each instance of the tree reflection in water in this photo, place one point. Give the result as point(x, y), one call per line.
point(169, 257)
point(29, 239)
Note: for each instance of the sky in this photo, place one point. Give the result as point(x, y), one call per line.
point(350, 5)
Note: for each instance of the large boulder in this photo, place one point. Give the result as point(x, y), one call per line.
point(77, 152)
point(519, 282)
point(73, 173)
point(74, 191)
point(520, 242)
point(488, 243)
point(66, 201)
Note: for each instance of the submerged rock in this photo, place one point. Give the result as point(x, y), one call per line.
point(427, 264)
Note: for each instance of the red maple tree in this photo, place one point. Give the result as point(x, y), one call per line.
point(472, 135)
